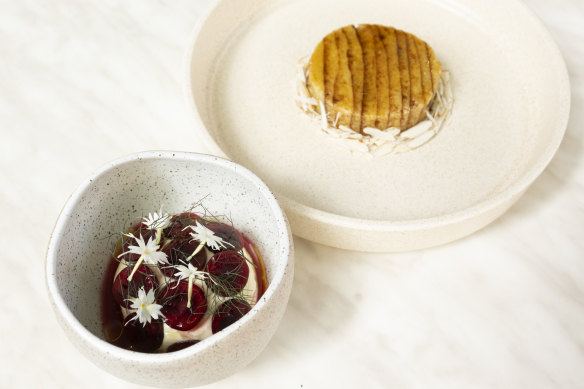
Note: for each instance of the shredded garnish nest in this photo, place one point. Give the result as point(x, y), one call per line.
point(373, 141)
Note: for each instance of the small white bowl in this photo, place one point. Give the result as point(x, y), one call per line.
point(125, 190)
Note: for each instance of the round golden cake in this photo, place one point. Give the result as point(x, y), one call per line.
point(373, 76)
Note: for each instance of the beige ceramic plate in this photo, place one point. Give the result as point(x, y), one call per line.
point(510, 112)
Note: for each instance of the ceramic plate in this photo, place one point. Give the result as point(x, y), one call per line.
point(511, 105)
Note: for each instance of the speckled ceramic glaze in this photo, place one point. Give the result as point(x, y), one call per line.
point(126, 190)
point(511, 105)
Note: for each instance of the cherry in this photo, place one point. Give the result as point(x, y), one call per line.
point(178, 223)
point(124, 289)
point(178, 316)
point(228, 272)
point(227, 233)
point(139, 337)
point(228, 313)
point(177, 252)
point(181, 345)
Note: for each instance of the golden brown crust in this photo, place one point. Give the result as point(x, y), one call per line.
point(428, 92)
point(315, 81)
point(417, 103)
point(388, 36)
point(343, 88)
point(404, 70)
point(369, 111)
point(382, 73)
point(331, 68)
point(373, 76)
point(355, 56)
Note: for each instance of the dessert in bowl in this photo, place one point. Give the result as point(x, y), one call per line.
point(174, 280)
point(125, 190)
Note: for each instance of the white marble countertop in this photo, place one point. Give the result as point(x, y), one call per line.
point(83, 83)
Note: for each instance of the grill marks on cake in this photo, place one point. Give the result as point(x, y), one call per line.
point(373, 76)
point(343, 86)
point(404, 70)
point(355, 57)
point(369, 111)
point(382, 77)
point(389, 39)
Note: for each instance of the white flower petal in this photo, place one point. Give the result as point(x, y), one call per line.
point(142, 294)
point(186, 272)
point(149, 251)
point(144, 307)
point(156, 257)
point(149, 297)
point(157, 220)
point(203, 234)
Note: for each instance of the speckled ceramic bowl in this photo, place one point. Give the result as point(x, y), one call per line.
point(125, 190)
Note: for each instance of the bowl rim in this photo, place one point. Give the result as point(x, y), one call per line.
point(56, 236)
point(514, 190)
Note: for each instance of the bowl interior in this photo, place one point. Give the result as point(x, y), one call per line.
point(510, 110)
point(90, 224)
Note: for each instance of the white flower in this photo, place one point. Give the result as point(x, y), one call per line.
point(148, 251)
point(144, 307)
point(208, 237)
point(185, 272)
point(157, 220)
point(189, 272)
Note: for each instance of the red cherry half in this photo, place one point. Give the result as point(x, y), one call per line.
point(228, 313)
point(178, 224)
point(228, 272)
point(139, 337)
point(124, 289)
point(174, 306)
point(177, 252)
point(225, 232)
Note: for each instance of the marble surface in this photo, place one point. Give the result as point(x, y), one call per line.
point(85, 82)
